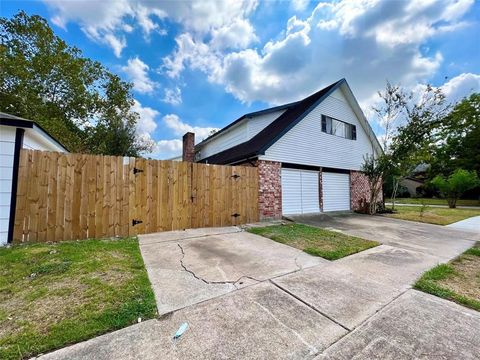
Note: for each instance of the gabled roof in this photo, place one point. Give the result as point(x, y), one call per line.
point(16, 121)
point(270, 134)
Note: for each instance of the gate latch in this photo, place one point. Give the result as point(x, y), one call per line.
point(235, 176)
point(136, 222)
point(135, 170)
point(235, 215)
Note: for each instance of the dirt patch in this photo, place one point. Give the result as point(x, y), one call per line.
point(466, 278)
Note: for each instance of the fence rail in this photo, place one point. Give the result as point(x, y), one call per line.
point(76, 196)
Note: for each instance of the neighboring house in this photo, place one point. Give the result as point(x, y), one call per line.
point(412, 184)
point(17, 133)
point(309, 153)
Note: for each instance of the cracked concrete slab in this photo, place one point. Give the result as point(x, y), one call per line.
point(414, 326)
point(192, 269)
point(175, 288)
point(259, 322)
point(429, 239)
point(354, 288)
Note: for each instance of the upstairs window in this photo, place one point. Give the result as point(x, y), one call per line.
point(338, 128)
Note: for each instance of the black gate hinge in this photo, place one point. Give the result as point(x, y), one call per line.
point(135, 170)
point(236, 215)
point(136, 222)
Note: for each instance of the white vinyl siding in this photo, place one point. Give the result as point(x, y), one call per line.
point(238, 134)
point(299, 192)
point(34, 139)
point(258, 123)
point(230, 138)
point(335, 191)
point(7, 146)
point(306, 144)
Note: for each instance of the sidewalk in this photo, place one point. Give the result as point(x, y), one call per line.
point(470, 224)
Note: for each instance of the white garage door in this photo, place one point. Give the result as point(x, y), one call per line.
point(299, 191)
point(336, 191)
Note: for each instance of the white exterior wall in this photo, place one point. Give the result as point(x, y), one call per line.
point(306, 144)
point(240, 133)
point(258, 123)
point(231, 137)
point(7, 147)
point(33, 139)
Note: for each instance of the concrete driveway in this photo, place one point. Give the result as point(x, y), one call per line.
point(247, 297)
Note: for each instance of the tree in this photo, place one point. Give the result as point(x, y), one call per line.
point(458, 138)
point(73, 97)
point(388, 111)
point(374, 169)
point(456, 184)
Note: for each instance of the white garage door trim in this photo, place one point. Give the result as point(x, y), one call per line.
point(300, 191)
point(336, 191)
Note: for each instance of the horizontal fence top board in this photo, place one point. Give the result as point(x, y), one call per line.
point(65, 196)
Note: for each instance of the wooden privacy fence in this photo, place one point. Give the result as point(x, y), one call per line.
point(75, 196)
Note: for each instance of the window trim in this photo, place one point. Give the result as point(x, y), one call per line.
point(324, 125)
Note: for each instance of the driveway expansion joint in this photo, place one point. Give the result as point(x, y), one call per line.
point(310, 306)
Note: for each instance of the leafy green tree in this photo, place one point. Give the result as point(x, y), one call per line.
point(75, 98)
point(458, 138)
point(456, 184)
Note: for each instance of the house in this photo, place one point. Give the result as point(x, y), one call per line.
point(309, 153)
point(412, 185)
point(17, 133)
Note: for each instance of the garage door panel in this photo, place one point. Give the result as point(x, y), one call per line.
point(299, 191)
point(291, 192)
point(336, 191)
point(310, 198)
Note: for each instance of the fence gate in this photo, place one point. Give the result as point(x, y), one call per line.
point(75, 196)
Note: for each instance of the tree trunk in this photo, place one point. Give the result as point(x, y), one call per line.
point(452, 202)
point(394, 193)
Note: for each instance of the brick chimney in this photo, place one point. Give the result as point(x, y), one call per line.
point(188, 147)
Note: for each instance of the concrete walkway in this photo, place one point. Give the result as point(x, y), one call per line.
point(470, 224)
point(246, 297)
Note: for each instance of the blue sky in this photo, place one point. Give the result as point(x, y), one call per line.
point(200, 65)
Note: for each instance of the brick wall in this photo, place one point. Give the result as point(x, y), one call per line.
point(270, 189)
point(360, 191)
point(188, 150)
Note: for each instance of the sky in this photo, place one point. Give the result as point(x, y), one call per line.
point(197, 66)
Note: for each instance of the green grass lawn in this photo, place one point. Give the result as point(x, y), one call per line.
point(432, 215)
point(52, 295)
point(327, 244)
point(460, 202)
point(459, 280)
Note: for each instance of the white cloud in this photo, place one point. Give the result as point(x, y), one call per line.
point(237, 35)
point(365, 41)
point(105, 21)
point(166, 149)
point(137, 72)
point(461, 86)
point(300, 5)
point(99, 20)
point(173, 96)
point(173, 122)
point(146, 123)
